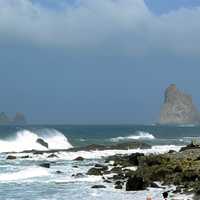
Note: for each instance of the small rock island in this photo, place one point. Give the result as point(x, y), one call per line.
point(18, 119)
point(178, 108)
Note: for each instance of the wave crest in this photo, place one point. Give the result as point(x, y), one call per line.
point(140, 135)
point(26, 140)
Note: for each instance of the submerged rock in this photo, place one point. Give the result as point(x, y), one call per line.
point(10, 157)
point(52, 156)
point(79, 158)
point(98, 186)
point(45, 165)
point(178, 108)
point(42, 142)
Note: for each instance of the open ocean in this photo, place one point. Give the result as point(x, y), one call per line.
point(24, 179)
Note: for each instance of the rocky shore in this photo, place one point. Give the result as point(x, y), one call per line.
point(138, 171)
point(135, 172)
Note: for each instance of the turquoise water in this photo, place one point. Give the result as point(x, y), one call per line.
point(24, 179)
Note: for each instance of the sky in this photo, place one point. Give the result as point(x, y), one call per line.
point(96, 61)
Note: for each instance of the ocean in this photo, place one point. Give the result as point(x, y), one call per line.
point(24, 179)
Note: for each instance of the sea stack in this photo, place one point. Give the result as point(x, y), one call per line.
point(178, 108)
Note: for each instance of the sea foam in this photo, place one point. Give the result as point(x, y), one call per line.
point(27, 173)
point(139, 135)
point(26, 140)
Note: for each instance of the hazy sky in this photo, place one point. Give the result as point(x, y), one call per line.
point(96, 61)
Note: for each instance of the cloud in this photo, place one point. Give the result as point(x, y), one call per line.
point(114, 27)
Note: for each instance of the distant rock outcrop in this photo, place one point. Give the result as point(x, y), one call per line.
point(178, 108)
point(19, 119)
point(4, 119)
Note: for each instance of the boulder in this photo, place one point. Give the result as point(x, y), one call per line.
point(10, 157)
point(78, 175)
point(52, 156)
point(42, 142)
point(94, 172)
point(98, 186)
point(101, 167)
point(45, 165)
point(135, 184)
point(79, 158)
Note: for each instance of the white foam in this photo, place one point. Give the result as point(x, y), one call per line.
point(24, 174)
point(83, 179)
point(26, 140)
point(100, 154)
point(139, 135)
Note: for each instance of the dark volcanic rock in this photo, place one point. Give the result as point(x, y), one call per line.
point(79, 158)
point(135, 184)
point(45, 165)
point(52, 156)
point(42, 142)
point(178, 108)
point(95, 172)
point(78, 175)
point(10, 157)
point(25, 157)
point(98, 186)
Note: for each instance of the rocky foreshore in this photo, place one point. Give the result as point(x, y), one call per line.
point(138, 171)
point(135, 172)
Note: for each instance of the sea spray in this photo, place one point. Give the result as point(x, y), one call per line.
point(26, 140)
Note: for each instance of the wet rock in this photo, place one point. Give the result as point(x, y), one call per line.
point(25, 157)
point(42, 142)
point(52, 156)
point(95, 172)
point(98, 186)
point(134, 158)
point(119, 185)
point(78, 175)
point(45, 165)
point(75, 166)
point(79, 158)
point(171, 151)
point(107, 181)
point(135, 184)
point(59, 172)
point(10, 157)
point(154, 185)
point(102, 167)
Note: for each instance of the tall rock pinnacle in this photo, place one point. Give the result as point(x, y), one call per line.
point(178, 108)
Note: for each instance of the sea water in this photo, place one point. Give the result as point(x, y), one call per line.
point(24, 179)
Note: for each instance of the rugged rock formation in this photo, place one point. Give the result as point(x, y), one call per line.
point(4, 119)
point(42, 142)
point(178, 108)
point(19, 119)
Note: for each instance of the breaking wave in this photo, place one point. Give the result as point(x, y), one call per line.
point(26, 140)
point(24, 174)
point(140, 135)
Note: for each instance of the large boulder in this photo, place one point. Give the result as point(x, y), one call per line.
point(10, 157)
point(95, 171)
point(178, 108)
point(45, 165)
point(135, 184)
point(42, 142)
